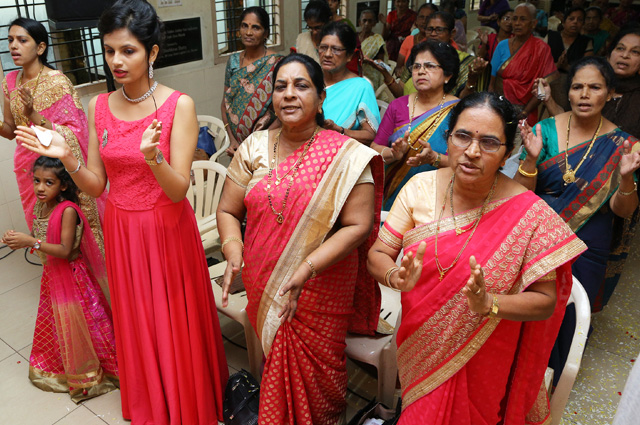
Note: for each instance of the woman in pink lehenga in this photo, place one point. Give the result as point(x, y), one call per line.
point(43, 96)
point(73, 343)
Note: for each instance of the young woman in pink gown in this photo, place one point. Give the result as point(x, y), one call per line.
point(171, 359)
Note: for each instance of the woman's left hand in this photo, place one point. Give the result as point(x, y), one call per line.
point(630, 160)
point(150, 138)
point(426, 156)
point(478, 298)
point(330, 125)
point(294, 287)
point(17, 240)
point(27, 100)
point(477, 66)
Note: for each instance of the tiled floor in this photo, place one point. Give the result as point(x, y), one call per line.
point(607, 361)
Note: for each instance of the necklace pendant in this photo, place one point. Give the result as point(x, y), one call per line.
point(441, 276)
point(569, 176)
point(277, 182)
point(280, 218)
point(459, 231)
point(104, 138)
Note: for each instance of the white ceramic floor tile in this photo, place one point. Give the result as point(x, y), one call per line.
point(26, 352)
point(18, 310)
point(107, 407)
point(14, 270)
point(5, 350)
point(24, 404)
point(81, 416)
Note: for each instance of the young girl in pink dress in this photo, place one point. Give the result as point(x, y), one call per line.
point(171, 359)
point(73, 344)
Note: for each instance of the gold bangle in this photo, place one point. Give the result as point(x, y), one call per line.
point(230, 239)
point(226, 125)
point(387, 278)
point(495, 306)
point(635, 189)
point(436, 163)
point(524, 173)
point(313, 269)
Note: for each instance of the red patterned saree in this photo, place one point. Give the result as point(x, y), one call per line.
point(305, 377)
point(456, 366)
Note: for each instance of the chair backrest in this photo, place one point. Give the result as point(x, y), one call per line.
point(382, 105)
point(206, 187)
point(568, 377)
point(216, 129)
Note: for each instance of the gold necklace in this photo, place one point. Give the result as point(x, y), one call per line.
point(444, 270)
point(293, 170)
point(431, 127)
point(569, 175)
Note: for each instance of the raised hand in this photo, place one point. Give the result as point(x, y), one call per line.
point(532, 142)
point(400, 146)
point(27, 100)
point(150, 139)
point(545, 85)
point(477, 66)
point(426, 156)
point(478, 298)
point(58, 148)
point(410, 269)
point(630, 160)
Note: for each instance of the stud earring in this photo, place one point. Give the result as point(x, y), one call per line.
point(150, 69)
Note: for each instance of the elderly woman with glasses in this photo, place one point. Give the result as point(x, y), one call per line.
point(350, 107)
point(483, 285)
point(411, 136)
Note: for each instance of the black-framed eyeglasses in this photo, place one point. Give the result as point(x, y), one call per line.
point(314, 28)
point(322, 49)
point(486, 143)
point(437, 30)
point(428, 66)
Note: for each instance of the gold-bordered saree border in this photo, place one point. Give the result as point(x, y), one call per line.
point(447, 340)
point(314, 225)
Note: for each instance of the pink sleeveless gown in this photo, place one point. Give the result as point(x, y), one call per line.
point(172, 364)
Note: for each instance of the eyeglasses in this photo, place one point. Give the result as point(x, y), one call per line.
point(437, 30)
point(314, 28)
point(506, 18)
point(322, 49)
point(428, 66)
point(486, 143)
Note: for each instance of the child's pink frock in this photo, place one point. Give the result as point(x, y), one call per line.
point(171, 359)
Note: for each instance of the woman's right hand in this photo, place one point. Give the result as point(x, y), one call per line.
point(532, 142)
point(400, 147)
point(233, 268)
point(57, 149)
point(410, 270)
point(545, 85)
point(233, 147)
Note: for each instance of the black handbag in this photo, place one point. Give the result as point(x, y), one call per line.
point(376, 410)
point(241, 399)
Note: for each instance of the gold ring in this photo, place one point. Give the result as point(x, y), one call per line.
point(478, 291)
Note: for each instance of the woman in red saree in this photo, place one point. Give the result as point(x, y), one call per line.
point(44, 96)
point(519, 60)
point(397, 27)
point(484, 290)
point(311, 197)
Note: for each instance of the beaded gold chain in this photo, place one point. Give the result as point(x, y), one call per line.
point(432, 126)
point(273, 166)
point(569, 176)
point(444, 270)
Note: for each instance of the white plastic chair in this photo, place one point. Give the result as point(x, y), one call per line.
point(236, 310)
point(382, 105)
point(380, 350)
point(203, 195)
point(216, 129)
point(568, 377)
point(480, 29)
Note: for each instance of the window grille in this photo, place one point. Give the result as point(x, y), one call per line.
point(76, 52)
point(227, 15)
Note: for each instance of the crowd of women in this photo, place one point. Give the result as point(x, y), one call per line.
point(486, 260)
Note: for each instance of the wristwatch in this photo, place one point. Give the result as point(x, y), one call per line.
point(156, 160)
point(36, 246)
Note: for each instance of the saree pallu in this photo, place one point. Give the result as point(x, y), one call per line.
point(73, 344)
point(247, 94)
point(456, 366)
point(518, 73)
point(584, 204)
point(370, 48)
point(55, 99)
point(305, 376)
point(399, 173)
point(351, 102)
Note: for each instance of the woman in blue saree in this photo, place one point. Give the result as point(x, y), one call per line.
point(583, 166)
point(411, 138)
